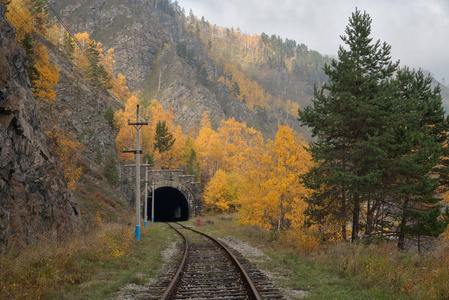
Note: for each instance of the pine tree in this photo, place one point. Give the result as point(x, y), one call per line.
point(418, 142)
point(109, 116)
point(28, 44)
point(190, 160)
point(95, 71)
point(164, 139)
point(378, 139)
point(111, 168)
point(69, 46)
point(345, 118)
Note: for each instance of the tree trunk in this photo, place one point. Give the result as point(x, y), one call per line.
point(369, 218)
point(280, 214)
point(343, 212)
point(402, 226)
point(355, 218)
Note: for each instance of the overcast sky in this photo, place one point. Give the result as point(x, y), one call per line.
point(417, 30)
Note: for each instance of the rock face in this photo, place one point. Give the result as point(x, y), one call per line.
point(34, 199)
point(79, 107)
point(139, 31)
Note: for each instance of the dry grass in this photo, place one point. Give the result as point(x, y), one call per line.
point(418, 276)
point(345, 270)
point(52, 266)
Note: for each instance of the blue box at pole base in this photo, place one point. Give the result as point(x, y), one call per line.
point(137, 232)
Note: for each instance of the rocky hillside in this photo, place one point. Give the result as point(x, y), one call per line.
point(34, 199)
point(80, 110)
point(145, 36)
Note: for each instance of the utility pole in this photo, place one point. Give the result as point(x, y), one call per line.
point(138, 151)
point(145, 214)
point(152, 203)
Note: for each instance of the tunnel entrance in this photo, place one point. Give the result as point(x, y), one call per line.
point(170, 205)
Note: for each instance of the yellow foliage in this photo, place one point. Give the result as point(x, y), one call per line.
point(126, 137)
point(78, 57)
point(209, 148)
point(272, 192)
point(48, 76)
point(20, 16)
point(30, 24)
point(239, 145)
point(222, 192)
point(250, 92)
point(119, 87)
point(55, 35)
point(68, 150)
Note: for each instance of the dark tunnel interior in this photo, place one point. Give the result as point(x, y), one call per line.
point(170, 205)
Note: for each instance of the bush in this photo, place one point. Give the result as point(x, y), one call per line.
point(111, 168)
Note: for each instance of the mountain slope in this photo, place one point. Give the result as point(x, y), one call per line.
point(190, 66)
point(34, 200)
point(148, 38)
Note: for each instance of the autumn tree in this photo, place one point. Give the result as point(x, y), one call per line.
point(29, 19)
point(209, 149)
point(239, 144)
point(222, 192)
point(126, 136)
point(273, 194)
point(69, 150)
point(119, 87)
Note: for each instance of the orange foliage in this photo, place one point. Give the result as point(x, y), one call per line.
point(209, 148)
point(221, 194)
point(27, 23)
point(126, 137)
point(68, 150)
point(272, 196)
point(249, 91)
point(48, 76)
point(119, 87)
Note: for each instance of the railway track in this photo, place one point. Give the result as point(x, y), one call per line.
point(208, 270)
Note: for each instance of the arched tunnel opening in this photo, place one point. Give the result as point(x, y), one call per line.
point(170, 205)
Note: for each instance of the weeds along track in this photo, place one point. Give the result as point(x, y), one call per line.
point(208, 271)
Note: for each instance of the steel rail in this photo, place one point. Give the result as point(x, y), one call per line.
point(169, 291)
point(251, 288)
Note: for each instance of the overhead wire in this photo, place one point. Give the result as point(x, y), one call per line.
point(36, 35)
point(61, 21)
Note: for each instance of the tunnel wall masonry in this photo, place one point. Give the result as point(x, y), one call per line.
point(169, 178)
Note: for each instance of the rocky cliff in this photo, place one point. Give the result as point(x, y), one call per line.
point(34, 199)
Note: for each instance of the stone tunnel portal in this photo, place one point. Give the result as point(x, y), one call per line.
point(170, 205)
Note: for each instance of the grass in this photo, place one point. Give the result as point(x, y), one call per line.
point(96, 265)
point(343, 271)
point(143, 261)
point(91, 266)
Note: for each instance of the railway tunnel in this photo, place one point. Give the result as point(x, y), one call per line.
point(170, 205)
point(177, 196)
